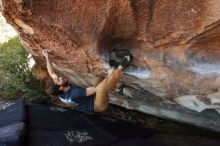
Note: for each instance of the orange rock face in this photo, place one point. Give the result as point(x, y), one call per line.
point(175, 45)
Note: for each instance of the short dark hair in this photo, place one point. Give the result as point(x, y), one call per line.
point(56, 90)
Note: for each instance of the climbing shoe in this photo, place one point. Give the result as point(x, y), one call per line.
point(114, 63)
point(123, 62)
point(126, 60)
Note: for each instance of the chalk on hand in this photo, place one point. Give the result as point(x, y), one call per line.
point(46, 50)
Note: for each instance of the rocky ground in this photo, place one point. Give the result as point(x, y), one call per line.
point(158, 125)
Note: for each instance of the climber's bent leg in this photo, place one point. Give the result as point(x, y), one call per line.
point(101, 100)
point(97, 81)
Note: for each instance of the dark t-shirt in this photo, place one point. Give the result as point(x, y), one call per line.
point(77, 97)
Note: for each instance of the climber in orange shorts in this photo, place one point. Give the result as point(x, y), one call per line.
point(90, 99)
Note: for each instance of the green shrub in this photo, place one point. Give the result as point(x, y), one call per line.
point(16, 78)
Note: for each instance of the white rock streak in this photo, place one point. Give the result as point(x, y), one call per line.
point(191, 102)
point(139, 73)
point(206, 68)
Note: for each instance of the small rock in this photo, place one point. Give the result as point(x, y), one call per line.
point(127, 93)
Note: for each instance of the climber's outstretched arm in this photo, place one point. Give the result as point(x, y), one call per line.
point(49, 65)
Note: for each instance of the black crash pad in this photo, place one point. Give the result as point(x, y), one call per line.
point(137, 141)
point(12, 135)
point(72, 137)
point(12, 126)
point(13, 112)
point(119, 128)
point(42, 117)
point(53, 126)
